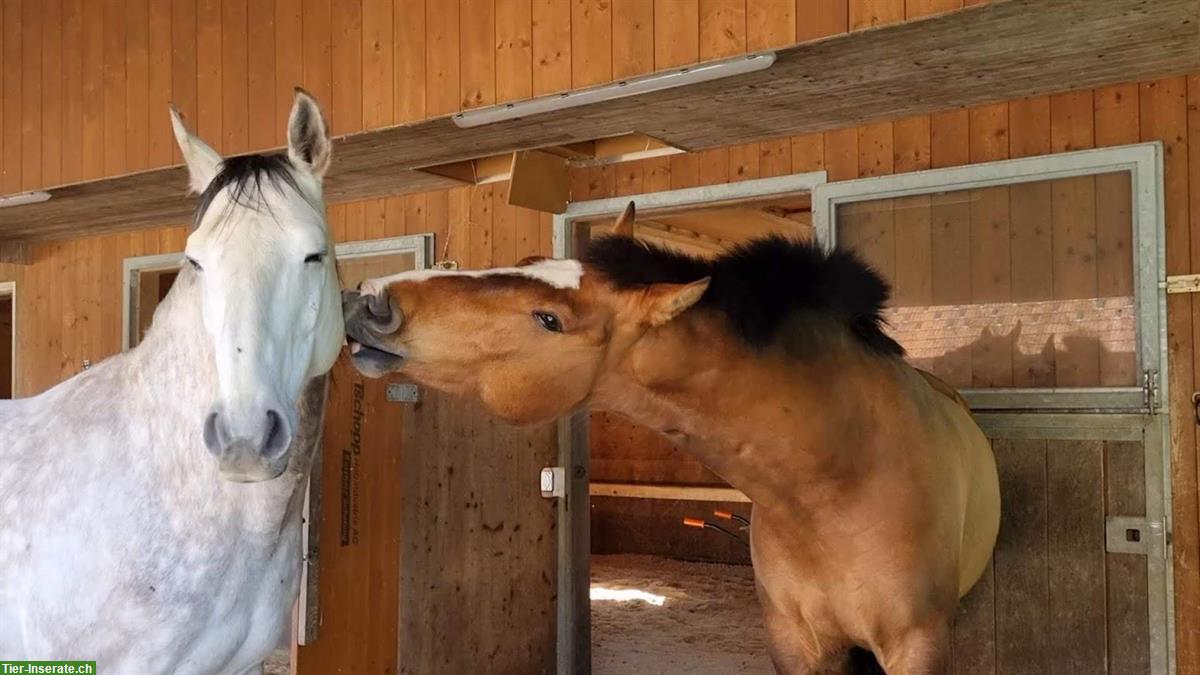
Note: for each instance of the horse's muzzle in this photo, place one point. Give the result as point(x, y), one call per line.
point(371, 326)
point(248, 452)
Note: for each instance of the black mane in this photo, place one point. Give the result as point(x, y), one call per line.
point(762, 284)
point(242, 172)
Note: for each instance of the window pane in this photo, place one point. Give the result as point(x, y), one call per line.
point(1027, 285)
point(353, 271)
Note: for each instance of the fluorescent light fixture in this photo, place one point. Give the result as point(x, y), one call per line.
point(705, 72)
point(22, 198)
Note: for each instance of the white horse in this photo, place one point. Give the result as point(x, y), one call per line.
point(150, 507)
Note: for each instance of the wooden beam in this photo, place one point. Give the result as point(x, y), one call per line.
point(695, 493)
point(998, 51)
point(14, 252)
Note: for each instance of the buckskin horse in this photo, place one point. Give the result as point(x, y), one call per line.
point(150, 507)
point(875, 495)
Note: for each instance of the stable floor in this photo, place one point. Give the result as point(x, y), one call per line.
point(653, 615)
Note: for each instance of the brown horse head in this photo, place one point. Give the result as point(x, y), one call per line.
point(528, 341)
point(532, 341)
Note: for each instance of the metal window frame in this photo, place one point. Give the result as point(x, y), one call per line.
point(420, 245)
point(1143, 163)
point(574, 535)
point(8, 289)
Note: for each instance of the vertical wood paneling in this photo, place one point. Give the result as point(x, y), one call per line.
point(722, 28)
point(1165, 114)
point(72, 78)
point(184, 67)
point(91, 155)
point(676, 33)
point(632, 37)
point(52, 92)
point(868, 13)
point(1022, 588)
point(31, 94)
point(208, 73)
point(260, 80)
point(441, 57)
point(317, 50)
point(289, 61)
point(477, 53)
point(514, 50)
point(591, 42)
point(770, 23)
point(346, 103)
point(808, 153)
point(235, 92)
point(1127, 583)
point(820, 18)
point(551, 46)
point(1075, 521)
point(408, 58)
point(137, 84)
point(480, 222)
point(160, 139)
point(115, 102)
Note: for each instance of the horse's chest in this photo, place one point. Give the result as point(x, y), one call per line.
point(247, 611)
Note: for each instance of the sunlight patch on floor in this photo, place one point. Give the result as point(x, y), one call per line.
point(627, 595)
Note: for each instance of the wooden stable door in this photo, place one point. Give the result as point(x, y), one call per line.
point(352, 592)
point(432, 548)
point(1077, 579)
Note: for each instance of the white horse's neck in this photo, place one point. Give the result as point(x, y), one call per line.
point(174, 366)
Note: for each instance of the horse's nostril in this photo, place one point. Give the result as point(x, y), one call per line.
point(379, 306)
point(213, 434)
point(276, 439)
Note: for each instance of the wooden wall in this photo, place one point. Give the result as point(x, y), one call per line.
point(85, 87)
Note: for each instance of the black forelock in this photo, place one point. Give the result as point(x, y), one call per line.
point(240, 174)
point(762, 284)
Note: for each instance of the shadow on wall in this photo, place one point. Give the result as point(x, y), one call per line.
point(1063, 343)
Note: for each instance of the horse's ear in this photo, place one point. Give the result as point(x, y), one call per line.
point(203, 162)
point(308, 135)
point(624, 224)
point(662, 302)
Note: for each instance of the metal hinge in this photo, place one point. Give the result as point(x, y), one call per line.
point(403, 393)
point(553, 482)
point(1150, 392)
point(1135, 535)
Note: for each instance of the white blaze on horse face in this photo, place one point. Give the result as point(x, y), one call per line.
point(556, 273)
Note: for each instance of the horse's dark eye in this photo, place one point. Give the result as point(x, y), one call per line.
point(314, 257)
point(548, 321)
point(195, 265)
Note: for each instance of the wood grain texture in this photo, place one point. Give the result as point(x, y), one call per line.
point(1149, 110)
point(799, 103)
